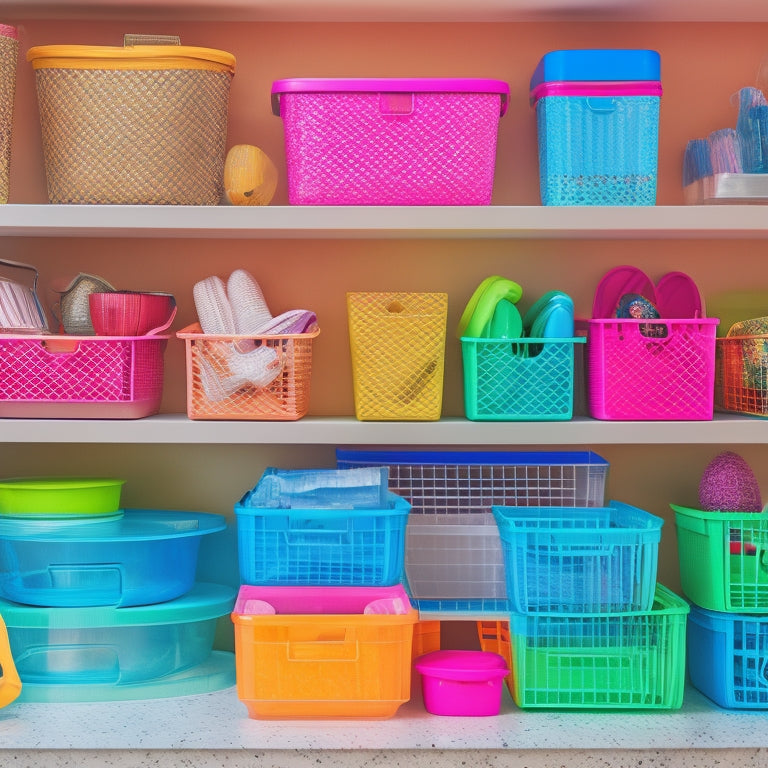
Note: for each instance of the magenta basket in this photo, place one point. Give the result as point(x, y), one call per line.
point(412, 141)
point(81, 376)
point(661, 370)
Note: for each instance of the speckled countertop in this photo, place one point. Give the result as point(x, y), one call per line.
point(214, 729)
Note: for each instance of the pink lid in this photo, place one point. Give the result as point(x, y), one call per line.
point(6, 30)
point(389, 85)
point(596, 88)
point(462, 665)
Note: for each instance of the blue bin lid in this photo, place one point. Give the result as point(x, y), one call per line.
point(595, 64)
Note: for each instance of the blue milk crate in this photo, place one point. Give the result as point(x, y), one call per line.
point(575, 559)
point(322, 547)
point(453, 556)
point(728, 657)
point(597, 113)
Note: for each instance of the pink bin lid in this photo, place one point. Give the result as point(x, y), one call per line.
point(469, 666)
point(596, 88)
point(389, 85)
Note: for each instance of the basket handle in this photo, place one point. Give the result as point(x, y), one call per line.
point(134, 39)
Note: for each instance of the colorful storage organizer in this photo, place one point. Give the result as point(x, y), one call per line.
point(217, 392)
point(86, 377)
point(623, 660)
point(597, 114)
point(397, 343)
point(453, 553)
point(323, 652)
point(390, 141)
point(741, 374)
point(579, 560)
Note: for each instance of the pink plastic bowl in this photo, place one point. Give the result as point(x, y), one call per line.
point(128, 313)
point(462, 683)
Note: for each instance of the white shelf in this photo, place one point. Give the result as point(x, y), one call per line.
point(392, 10)
point(178, 429)
point(343, 222)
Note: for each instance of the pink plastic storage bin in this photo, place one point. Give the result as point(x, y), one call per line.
point(389, 141)
point(462, 683)
point(641, 370)
point(73, 377)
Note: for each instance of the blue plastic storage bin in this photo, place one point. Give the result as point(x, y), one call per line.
point(728, 657)
point(321, 547)
point(575, 559)
point(453, 556)
point(597, 113)
point(107, 653)
point(135, 557)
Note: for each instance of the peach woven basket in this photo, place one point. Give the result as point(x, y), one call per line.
point(141, 124)
point(210, 396)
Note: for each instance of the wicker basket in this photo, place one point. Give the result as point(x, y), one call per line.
point(142, 124)
point(9, 53)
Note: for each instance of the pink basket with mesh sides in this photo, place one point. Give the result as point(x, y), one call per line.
point(390, 141)
point(662, 370)
point(81, 377)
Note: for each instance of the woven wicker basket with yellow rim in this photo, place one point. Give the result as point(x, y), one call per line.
point(141, 124)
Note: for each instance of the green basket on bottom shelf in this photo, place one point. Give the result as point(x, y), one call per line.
point(624, 660)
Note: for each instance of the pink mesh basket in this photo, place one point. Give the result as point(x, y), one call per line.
point(81, 376)
point(390, 141)
point(661, 370)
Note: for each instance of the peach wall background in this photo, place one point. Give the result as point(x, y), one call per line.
point(703, 66)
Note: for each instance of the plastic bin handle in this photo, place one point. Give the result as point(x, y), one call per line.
point(10, 683)
point(332, 644)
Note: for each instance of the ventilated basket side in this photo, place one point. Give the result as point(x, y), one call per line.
point(9, 53)
point(741, 374)
point(134, 136)
point(214, 393)
point(397, 342)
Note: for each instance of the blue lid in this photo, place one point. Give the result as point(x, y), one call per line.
point(612, 64)
point(528, 458)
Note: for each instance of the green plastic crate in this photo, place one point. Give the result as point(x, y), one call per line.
point(626, 660)
point(519, 380)
point(723, 559)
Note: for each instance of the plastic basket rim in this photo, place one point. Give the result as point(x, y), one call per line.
point(527, 340)
point(399, 506)
point(655, 522)
point(194, 331)
point(704, 514)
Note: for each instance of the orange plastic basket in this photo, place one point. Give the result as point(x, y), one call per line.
point(397, 341)
point(214, 392)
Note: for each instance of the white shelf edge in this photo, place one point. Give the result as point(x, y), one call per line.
point(382, 222)
point(178, 429)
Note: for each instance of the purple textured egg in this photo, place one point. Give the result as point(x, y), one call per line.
point(729, 485)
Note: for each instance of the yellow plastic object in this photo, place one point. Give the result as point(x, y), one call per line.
point(397, 341)
point(250, 176)
point(136, 57)
point(10, 683)
point(323, 665)
point(60, 496)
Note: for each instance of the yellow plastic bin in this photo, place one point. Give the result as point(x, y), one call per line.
point(397, 341)
point(138, 124)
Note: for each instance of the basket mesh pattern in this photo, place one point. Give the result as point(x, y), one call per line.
point(213, 393)
point(525, 380)
point(81, 369)
point(598, 151)
point(134, 136)
point(741, 374)
point(659, 371)
point(397, 341)
point(9, 52)
point(361, 149)
point(632, 660)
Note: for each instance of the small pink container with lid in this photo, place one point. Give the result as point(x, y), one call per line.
point(462, 683)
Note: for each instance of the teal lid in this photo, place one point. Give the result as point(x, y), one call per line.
point(203, 602)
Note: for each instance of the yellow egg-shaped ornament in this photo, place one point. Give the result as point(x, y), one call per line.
point(250, 176)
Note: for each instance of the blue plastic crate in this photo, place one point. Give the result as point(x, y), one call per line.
point(521, 380)
point(728, 657)
point(322, 547)
point(597, 114)
point(575, 559)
